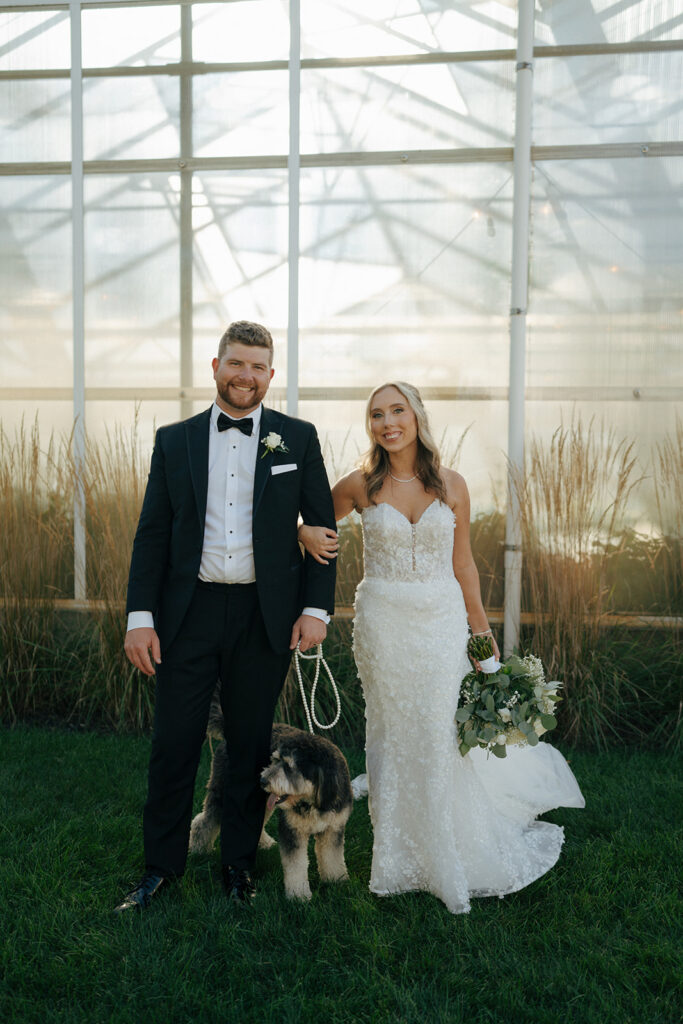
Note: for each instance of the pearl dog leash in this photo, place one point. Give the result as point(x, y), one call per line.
point(319, 659)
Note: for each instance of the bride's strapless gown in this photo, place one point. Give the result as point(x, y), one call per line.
point(455, 826)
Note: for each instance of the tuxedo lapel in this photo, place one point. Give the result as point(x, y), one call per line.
point(197, 435)
point(270, 420)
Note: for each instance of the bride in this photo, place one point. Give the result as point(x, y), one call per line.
point(454, 826)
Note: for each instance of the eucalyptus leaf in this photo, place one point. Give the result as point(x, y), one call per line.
point(532, 738)
point(499, 751)
point(548, 721)
point(463, 714)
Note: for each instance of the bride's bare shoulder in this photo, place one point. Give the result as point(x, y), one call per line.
point(349, 490)
point(456, 488)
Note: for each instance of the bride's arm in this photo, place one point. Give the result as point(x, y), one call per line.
point(321, 542)
point(464, 566)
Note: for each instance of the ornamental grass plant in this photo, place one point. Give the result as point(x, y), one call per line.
point(580, 564)
point(573, 498)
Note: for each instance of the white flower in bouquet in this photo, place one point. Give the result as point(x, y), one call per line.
point(505, 714)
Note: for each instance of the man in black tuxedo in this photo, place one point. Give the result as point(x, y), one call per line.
point(218, 590)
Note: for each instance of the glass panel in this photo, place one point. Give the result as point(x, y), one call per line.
point(131, 273)
point(603, 21)
point(131, 118)
point(432, 107)
point(137, 35)
point(55, 417)
point(241, 114)
point(35, 285)
point(246, 30)
point(605, 299)
point(35, 115)
point(400, 261)
point(240, 260)
point(103, 418)
point(34, 39)
point(615, 98)
point(353, 28)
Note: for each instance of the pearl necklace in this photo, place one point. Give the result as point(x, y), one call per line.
point(399, 481)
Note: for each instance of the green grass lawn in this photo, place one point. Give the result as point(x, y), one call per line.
point(593, 941)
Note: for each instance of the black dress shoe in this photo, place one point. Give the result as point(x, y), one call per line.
point(238, 884)
point(141, 896)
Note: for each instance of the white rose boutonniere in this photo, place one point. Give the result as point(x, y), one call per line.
point(273, 443)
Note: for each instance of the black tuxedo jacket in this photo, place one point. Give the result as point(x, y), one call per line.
point(167, 549)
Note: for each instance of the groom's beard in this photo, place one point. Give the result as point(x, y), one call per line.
point(241, 401)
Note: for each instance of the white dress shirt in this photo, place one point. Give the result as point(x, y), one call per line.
point(227, 551)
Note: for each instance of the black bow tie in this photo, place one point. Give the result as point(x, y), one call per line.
point(245, 425)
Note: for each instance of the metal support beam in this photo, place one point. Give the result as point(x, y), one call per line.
point(293, 168)
point(78, 302)
point(185, 219)
point(518, 303)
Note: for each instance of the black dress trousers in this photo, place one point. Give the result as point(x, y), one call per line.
point(222, 638)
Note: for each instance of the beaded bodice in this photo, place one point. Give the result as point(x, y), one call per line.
point(396, 549)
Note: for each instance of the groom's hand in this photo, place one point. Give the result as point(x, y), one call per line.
point(307, 631)
point(137, 646)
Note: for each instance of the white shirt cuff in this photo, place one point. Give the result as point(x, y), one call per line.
point(138, 620)
point(317, 613)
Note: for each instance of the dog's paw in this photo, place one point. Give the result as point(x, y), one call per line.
point(266, 842)
point(299, 892)
point(336, 876)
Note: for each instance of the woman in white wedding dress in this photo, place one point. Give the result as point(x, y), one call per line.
point(454, 826)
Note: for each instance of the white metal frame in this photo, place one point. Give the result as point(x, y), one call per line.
point(78, 300)
point(522, 156)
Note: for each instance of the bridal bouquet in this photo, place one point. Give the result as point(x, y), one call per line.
point(513, 704)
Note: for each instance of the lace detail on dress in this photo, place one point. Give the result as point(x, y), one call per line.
point(437, 825)
point(396, 549)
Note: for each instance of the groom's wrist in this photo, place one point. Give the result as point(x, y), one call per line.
point(317, 613)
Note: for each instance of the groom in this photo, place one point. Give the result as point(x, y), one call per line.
point(218, 590)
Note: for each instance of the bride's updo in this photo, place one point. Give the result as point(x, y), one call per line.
point(375, 465)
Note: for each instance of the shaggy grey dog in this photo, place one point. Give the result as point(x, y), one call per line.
point(308, 780)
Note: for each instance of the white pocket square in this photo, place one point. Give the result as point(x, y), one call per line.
point(287, 468)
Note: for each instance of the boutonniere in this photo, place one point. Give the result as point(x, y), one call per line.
point(273, 443)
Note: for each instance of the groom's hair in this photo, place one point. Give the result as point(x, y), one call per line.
point(246, 333)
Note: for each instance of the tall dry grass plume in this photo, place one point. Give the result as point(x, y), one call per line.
point(115, 477)
point(573, 497)
point(668, 484)
point(36, 560)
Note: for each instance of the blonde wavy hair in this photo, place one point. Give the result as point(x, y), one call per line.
point(375, 465)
